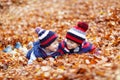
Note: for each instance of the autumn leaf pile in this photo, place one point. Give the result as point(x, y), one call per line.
point(19, 18)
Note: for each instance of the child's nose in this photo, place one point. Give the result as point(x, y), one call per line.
point(56, 45)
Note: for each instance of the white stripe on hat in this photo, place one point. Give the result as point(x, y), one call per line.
point(40, 31)
point(44, 35)
point(79, 31)
point(75, 32)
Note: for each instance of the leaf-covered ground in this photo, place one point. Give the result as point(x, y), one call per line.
point(19, 18)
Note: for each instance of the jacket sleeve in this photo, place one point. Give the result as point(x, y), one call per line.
point(87, 47)
point(32, 49)
point(32, 58)
point(36, 43)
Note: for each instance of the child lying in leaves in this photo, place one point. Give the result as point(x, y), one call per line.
point(44, 47)
point(75, 41)
point(47, 45)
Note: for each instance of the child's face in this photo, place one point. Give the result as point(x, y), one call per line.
point(71, 44)
point(53, 47)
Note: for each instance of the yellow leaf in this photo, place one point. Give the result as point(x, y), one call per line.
point(100, 73)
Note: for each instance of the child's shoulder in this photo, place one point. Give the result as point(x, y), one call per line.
point(36, 43)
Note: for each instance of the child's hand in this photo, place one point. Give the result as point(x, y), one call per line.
point(97, 52)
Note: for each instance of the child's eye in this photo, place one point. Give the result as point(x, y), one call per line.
point(71, 42)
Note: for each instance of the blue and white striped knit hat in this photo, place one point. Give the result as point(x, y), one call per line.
point(78, 33)
point(46, 37)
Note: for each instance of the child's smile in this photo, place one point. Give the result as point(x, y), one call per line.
point(71, 44)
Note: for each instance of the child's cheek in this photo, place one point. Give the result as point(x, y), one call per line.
point(68, 44)
point(69, 47)
point(53, 47)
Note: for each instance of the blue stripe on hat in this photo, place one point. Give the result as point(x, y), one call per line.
point(41, 33)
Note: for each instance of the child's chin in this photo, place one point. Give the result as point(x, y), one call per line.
point(53, 50)
point(70, 48)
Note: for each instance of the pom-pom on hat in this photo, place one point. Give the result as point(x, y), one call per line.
point(78, 33)
point(46, 37)
point(82, 26)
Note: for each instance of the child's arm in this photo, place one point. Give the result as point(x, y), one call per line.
point(88, 47)
point(32, 58)
point(31, 53)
